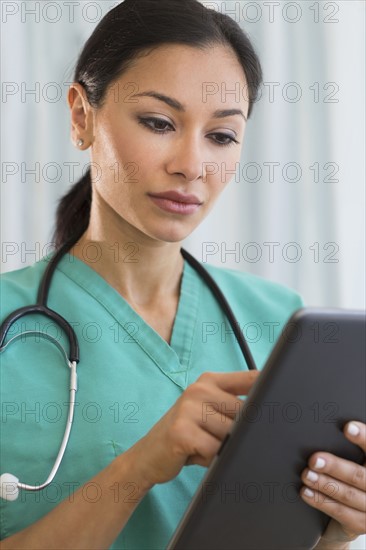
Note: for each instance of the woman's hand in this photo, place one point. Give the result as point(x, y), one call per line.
point(339, 490)
point(192, 431)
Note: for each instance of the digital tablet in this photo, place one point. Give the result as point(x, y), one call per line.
point(312, 384)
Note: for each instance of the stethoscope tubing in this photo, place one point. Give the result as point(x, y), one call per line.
point(43, 310)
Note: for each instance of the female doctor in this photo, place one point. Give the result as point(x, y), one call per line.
point(155, 348)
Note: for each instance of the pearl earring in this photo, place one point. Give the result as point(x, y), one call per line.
point(80, 142)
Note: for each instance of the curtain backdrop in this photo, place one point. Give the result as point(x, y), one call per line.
point(294, 212)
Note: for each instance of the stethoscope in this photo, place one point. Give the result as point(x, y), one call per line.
point(10, 484)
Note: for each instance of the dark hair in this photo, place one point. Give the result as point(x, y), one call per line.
point(130, 29)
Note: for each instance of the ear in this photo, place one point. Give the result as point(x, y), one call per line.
point(81, 115)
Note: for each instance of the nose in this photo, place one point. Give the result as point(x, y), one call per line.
point(186, 159)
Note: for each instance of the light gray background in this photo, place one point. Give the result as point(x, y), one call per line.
point(315, 69)
point(313, 57)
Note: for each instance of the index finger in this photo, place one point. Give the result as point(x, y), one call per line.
point(236, 383)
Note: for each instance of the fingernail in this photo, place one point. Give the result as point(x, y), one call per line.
point(353, 429)
point(312, 476)
point(320, 463)
point(309, 492)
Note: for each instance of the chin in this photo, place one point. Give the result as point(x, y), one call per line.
point(171, 238)
point(172, 235)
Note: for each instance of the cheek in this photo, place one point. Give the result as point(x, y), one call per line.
point(231, 168)
point(113, 167)
point(226, 171)
point(114, 149)
point(132, 154)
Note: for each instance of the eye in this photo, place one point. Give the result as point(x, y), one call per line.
point(224, 139)
point(161, 126)
point(157, 125)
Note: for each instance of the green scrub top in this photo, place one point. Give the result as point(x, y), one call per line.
point(128, 377)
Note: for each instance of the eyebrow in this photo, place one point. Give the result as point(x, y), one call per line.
point(221, 113)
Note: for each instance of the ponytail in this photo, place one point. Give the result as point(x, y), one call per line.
point(73, 212)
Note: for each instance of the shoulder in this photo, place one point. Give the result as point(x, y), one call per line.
point(254, 293)
point(20, 287)
point(23, 278)
point(253, 284)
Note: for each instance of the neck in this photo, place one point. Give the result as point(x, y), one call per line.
point(144, 271)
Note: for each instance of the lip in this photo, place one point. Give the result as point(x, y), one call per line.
point(175, 202)
point(176, 196)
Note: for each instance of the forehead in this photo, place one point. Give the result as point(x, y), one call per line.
point(211, 75)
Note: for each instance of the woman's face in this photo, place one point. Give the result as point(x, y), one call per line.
point(182, 143)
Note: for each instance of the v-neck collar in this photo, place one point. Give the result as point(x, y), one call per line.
point(172, 359)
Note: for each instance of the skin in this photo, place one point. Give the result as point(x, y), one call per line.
point(173, 160)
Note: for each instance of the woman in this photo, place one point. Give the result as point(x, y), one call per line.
point(149, 329)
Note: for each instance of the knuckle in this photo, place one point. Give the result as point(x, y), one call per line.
point(188, 392)
point(178, 427)
point(177, 424)
point(358, 476)
point(186, 407)
point(194, 390)
point(206, 377)
point(350, 495)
